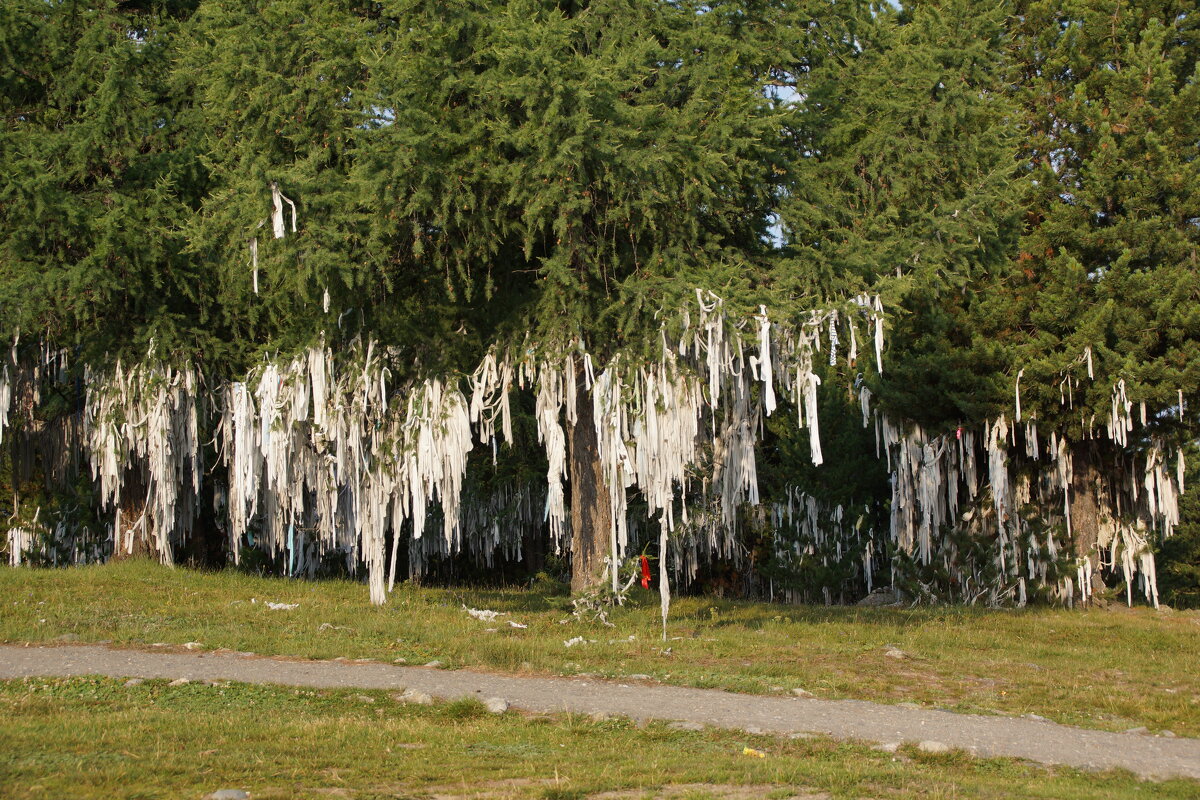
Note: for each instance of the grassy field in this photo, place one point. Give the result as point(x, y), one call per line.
point(1110, 669)
point(97, 738)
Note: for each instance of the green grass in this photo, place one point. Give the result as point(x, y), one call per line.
point(1111, 669)
point(97, 738)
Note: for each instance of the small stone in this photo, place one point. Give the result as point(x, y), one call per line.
point(228, 794)
point(1036, 718)
point(639, 677)
point(1138, 729)
point(684, 725)
point(193, 646)
point(895, 652)
point(888, 747)
point(364, 698)
point(496, 705)
point(414, 698)
point(179, 682)
point(754, 730)
point(134, 682)
point(600, 716)
point(67, 637)
point(932, 746)
point(1168, 734)
point(435, 664)
point(399, 660)
point(802, 692)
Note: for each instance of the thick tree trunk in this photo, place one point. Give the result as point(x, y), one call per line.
point(132, 503)
point(1085, 508)
point(591, 515)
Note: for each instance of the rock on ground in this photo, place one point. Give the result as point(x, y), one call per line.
point(883, 597)
point(413, 697)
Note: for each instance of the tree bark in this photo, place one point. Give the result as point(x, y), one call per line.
point(132, 503)
point(1085, 509)
point(591, 514)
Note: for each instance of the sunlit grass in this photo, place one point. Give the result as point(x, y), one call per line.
point(1110, 669)
point(98, 738)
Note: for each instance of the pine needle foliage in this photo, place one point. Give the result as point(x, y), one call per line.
point(583, 164)
point(1108, 261)
point(100, 175)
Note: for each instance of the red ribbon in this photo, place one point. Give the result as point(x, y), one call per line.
point(645, 573)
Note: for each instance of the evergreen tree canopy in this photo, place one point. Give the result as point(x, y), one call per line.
point(907, 190)
point(279, 268)
point(100, 176)
point(1108, 263)
point(584, 166)
point(280, 103)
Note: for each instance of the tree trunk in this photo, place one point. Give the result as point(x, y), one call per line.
point(132, 505)
point(591, 514)
point(1085, 509)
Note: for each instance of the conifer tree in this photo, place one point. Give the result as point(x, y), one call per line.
point(1101, 307)
point(904, 188)
point(100, 176)
point(582, 166)
point(907, 189)
point(234, 200)
point(279, 91)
